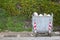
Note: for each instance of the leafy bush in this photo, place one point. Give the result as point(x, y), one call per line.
point(14, 25)
point(24, 9)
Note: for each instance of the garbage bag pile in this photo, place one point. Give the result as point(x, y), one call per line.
point(36, 14)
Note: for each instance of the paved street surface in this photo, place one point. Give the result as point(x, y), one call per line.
point(28, 36)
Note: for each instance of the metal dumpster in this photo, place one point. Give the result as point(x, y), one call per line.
point(42, 24)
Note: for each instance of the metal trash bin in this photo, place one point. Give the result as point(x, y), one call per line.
point(42, 24)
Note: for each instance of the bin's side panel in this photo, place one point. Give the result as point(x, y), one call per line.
point(42, 23)
point(51, 20)
point(34, 18)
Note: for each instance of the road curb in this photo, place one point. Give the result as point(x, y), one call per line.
point(22, 34)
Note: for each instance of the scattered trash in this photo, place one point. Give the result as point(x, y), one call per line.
point(31, 34)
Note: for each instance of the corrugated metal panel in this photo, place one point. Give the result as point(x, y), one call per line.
point(42, 23)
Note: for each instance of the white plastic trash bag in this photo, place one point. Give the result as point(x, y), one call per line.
point(48, 15)
point(35, 14)
point(45, 14)
point(40, 15)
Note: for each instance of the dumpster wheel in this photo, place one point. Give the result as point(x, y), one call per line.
point(35, 34)
point(49, 34)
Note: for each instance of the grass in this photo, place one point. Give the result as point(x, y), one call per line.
point(15, 24)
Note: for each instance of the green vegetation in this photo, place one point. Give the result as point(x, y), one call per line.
point(13, 13)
